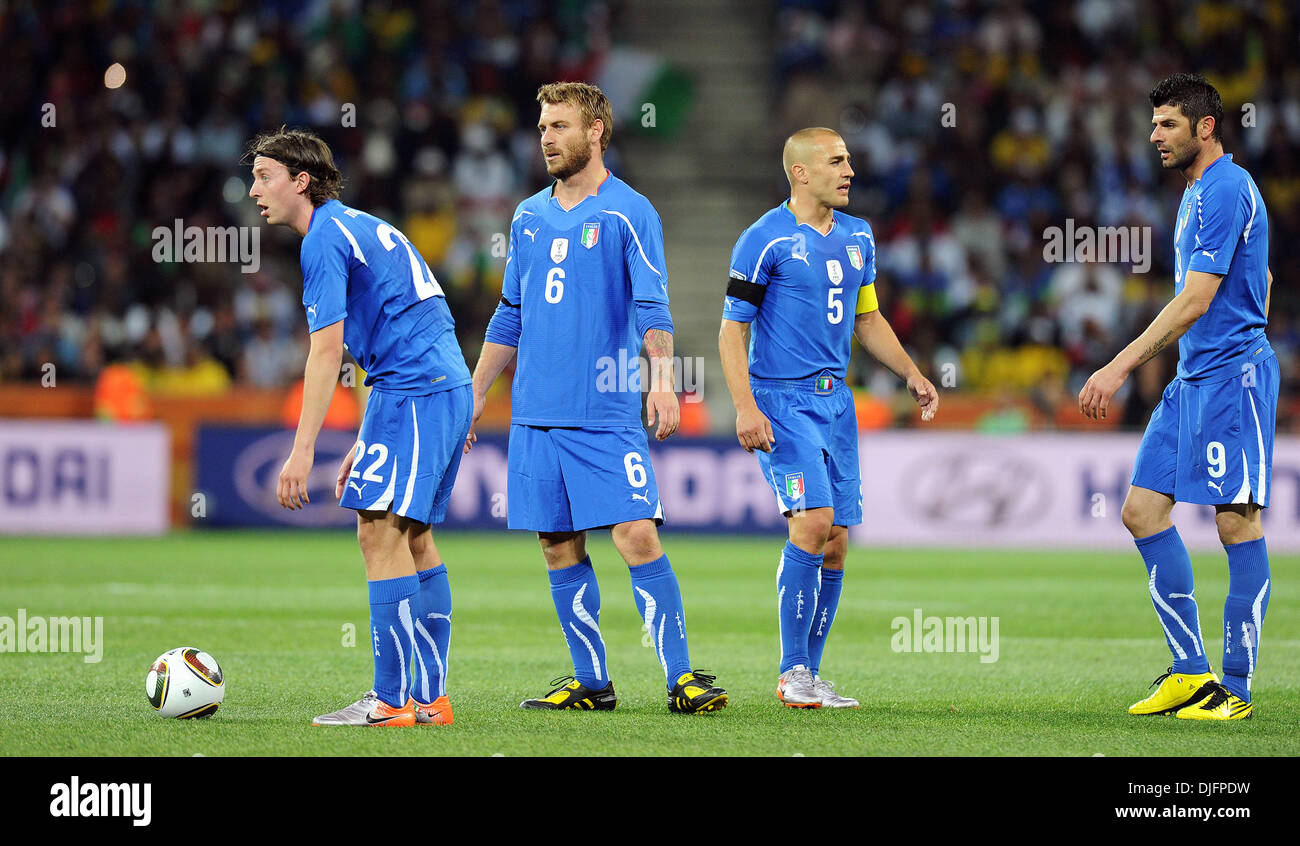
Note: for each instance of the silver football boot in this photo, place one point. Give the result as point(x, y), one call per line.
point(369, 710)
point(796, 690)
point(829, 698)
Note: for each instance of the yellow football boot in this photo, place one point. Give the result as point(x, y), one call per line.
point(1174, 691)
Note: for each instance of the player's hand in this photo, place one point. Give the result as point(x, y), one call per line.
point(754, 430)
point(924, 393)
point(1095, 397)
point(472, 438)
point(292, 488)
point(345, 470)
point(662, 406)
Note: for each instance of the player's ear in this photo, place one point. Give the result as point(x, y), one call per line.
point(597, 127)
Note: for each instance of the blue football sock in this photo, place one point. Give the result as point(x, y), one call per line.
point(432, 634)
point(1169, 582)
point(577, 602)
point(1243, 613)
point(796, 584)
point(391, 634)
point(659, 601)
point(828, 599)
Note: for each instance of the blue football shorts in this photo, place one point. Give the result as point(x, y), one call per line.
point(1212, 444)
point(814, 462)
point(408, 452)
point(573, 479)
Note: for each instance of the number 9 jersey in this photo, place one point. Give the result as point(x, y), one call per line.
point(801, 289)
point(399, 328)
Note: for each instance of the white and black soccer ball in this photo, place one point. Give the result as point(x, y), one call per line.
point(185, 682)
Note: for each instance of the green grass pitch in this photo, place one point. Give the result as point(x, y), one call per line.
point(1078, 643)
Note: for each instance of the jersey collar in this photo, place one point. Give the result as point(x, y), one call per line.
point(312, 220)
point(785, 210)
point(599, 185)
point(1211, 165)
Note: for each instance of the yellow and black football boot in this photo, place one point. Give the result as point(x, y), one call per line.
point(573, 695)
point(1221, 704)
point(695, 693)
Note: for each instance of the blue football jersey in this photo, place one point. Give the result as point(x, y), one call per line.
point(1222, 228)
point(587, 284)
point(803, 323)
point(398, 326)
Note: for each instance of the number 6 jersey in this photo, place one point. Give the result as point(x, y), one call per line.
point(581, 289)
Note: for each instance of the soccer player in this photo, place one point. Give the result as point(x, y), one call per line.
point(795, 274)
point(1210, 439)
point(365, 285)
point(585, 285)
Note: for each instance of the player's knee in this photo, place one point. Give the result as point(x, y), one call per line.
point(811, 530)
point(836, 551)
point(370, 536)
point(637, 541)
point(1235, 527)
point(562, 549)
point(1139, 521)
point(421, 543)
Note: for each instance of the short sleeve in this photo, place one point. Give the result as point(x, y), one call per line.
point(752, 261)
point(1222, 211)
point(643, 252)
point(324, 263)
point(510, 290)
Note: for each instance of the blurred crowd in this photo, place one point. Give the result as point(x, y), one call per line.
point(976, 127)
point(428, 107)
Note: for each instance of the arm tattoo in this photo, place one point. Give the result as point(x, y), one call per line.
point(659, 349)
point(1155, 349)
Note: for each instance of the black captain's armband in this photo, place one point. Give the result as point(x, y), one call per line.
point(747, 291)
point(506, 302)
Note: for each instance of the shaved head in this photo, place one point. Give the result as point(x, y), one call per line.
point(806, 145)
point(816, 163)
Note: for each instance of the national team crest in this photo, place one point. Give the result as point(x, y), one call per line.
point(590, 234)
point(835, 271)
point(794, 486)
point(559, 249)
point(855, 256)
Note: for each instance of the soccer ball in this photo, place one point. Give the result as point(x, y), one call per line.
point(185, 682)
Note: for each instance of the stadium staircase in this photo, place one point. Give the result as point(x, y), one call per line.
point(715, 176)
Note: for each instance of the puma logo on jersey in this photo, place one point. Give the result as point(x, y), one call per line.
point(643, 497)
point(311, 309)
point(532, 235)
point(354, 485)
point(1208, 253)
point(1218, 487)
